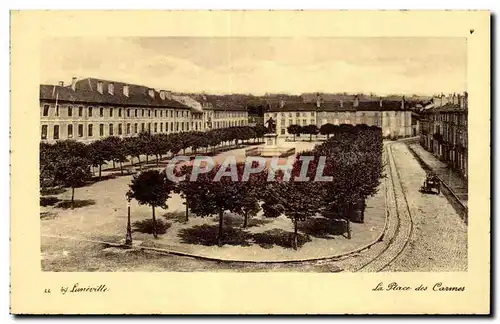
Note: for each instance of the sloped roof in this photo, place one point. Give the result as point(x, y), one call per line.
point(86, 92)
point(337, 106)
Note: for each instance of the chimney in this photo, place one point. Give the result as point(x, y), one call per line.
point(356, 101)
point(100, 87)
point(341, 103)
point(73, 83)
point(162, 94)
point(151, 93)
point(380, 102)
point(61, 83)
point(403, 102)
point(282, 103)
point(466, 100)
point(111, 88)
point(454, 100)
point(125, 90)
point(318, 100)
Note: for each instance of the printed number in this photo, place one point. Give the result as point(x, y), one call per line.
point(47, 291)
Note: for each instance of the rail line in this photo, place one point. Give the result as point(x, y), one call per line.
point(403, 222)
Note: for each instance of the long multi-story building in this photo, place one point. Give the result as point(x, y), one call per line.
point(91, 109)
point(394, 117)
point(443, 130)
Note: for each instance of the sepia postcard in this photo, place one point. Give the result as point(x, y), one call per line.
point(250, 162)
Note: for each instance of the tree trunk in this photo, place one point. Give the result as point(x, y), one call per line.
point(327, 135)
point(294, 137)
point(183, 151)
point(219, 237)
point(147, 159)
point(157, 160)
point(348, 223)
point(121, 168)
point(245, 219)
point(100, 165)
point(187, 211)
point(114, 166)
point(155, 232)
point(310, 137)
point(295, 234)
point(72, 197)
point(139, 159)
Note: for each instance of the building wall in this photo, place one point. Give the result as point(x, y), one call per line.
point(155, 120)
point(393, 123)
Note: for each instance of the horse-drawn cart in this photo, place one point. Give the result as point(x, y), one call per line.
point(431, 183)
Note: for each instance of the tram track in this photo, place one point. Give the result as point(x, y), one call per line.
point(401, 225)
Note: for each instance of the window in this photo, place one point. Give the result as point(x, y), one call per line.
point(128, 112)
point(70, 111)
point(90, 130)
point(135, 113)
point(135, 128)
point(101, 129)
point(101, 112)
point(110, 112)
point(149, 127)
point(128, 129)
point(312, 122)
point(156, 127)
point(80, 130)
point(120, 130)
point(142, 112)
point(161, 113)
point(119, 112)
point(149, 112)
point(57, 110)
point(90, 111)
point(56, 132)
point(44, 131)
point(171, 114)
point(80, 111)
point(297, 114)
point(161, 127)
point(282, 131)
point(312, 113)
point(70, 131)
point(45, 110)
point(182, 126)
point(111, 130)
point(156, 113)
point(142, 127)
point(176, 126)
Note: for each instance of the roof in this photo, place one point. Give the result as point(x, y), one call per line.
point(448, 107)
point(338, 106)
point(86, 92)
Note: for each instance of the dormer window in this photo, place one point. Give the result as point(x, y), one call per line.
point(111, 88)
point(125, 90)
point(151, 93)
point(100, 87)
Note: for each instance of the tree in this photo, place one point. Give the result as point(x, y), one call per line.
point(327, 129)
point(294, 130)
point(216, 196)
point(99, 152)
point(152, 188)
point(311, 130)
point(72, 172)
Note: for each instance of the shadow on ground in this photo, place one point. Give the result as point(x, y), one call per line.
point(323, 227)
point(207, 235)
point(279, 237)
point(178, 217)
point(66, 204)
point(146, 226)
point(236, 220)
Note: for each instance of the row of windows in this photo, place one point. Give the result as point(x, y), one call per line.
point(130, 128)
point(231, 114)
point(128, 112)
point(312, 114)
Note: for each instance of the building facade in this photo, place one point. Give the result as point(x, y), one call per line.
point(394, 117)
point(443, 130)
point(91, 109)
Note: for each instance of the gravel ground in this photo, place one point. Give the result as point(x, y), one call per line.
point(439, 238)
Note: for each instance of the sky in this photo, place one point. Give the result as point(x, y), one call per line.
point(259, 65)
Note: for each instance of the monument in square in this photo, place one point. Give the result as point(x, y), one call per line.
point(272, 147)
